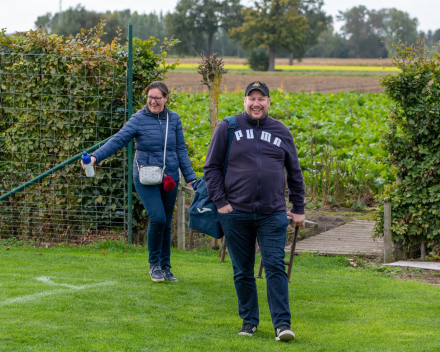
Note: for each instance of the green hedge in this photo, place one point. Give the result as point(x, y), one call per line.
point(59, 96)
point(412, 140)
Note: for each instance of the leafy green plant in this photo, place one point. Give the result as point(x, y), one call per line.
point(358, 205)
point(336, 136)
point(412, 142)
point(433, 257)
point(259, 59)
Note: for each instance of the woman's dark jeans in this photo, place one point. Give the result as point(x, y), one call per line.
point(241, 229)
point(159, 205)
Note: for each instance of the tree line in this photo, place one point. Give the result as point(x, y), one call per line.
point(278, 28)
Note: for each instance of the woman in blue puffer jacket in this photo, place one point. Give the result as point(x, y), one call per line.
point(148, 127)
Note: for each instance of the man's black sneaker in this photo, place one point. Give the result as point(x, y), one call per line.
point(156, 272)
point(283, 333)
point(168, 275)
point(247, 329)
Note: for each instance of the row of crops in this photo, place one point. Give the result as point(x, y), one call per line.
point(337, 137)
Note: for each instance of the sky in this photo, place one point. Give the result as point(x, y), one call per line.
point(20, 15)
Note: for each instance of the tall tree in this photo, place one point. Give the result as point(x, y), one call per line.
point(370, 33)
point(317, 22)
point(330, 44)
point(71, 21)
point(362, 29)
point(397, 24)
point(147, 25)
point(225, 46)
point(432, 38)
point(195, 21)
point(274, 24)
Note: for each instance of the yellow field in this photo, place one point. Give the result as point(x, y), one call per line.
point(305, 68)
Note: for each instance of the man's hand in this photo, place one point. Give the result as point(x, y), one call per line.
point(190, 184)
point(297, 219)
point(225, 209)
point(93, 160)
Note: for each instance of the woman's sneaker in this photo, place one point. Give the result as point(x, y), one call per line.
point(247, 329)
point(156, 272)
point(168, 275)
point(283, 333)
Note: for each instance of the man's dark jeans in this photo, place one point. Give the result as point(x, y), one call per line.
point(240, 230)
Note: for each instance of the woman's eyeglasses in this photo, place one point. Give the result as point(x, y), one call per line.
point(150, 98)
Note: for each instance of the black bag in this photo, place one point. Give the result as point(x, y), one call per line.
point(203, 215)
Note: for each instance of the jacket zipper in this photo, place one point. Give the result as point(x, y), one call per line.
point(161, 134)
point(258, 158)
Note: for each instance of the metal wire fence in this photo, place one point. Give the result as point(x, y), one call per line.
point(51, 108)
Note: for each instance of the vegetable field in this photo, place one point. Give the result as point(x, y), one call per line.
point(337, 137)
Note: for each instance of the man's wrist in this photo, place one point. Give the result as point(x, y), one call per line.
point(298, 209)
point(220, 203)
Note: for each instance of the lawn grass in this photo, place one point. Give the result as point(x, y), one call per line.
point(112, 305)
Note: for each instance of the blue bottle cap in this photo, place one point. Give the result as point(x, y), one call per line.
point(86, 158)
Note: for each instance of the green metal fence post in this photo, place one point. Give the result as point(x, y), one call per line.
point(130, 145)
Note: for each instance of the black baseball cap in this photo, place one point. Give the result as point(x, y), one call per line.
point(261, 86)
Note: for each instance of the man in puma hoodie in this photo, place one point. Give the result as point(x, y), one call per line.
point(251, 203)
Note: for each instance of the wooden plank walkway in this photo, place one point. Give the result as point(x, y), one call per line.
point(351, 238)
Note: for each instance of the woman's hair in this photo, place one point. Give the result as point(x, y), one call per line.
point(159, 85)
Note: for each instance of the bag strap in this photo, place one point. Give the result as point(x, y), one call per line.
point(232, 121)
point(165, 148)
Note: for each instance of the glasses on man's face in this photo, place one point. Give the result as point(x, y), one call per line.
point(150, 98)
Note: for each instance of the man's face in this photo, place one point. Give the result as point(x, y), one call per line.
point(256, 104)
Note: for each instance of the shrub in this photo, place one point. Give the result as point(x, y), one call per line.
point(413, 145)
point(258, 59)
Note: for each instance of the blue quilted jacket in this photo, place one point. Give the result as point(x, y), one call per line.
point(149, 129)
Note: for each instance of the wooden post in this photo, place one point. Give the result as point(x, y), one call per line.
point(398, 252)
point(422, 251)
point(181, 219)
point(223, 252)
point(387, 247)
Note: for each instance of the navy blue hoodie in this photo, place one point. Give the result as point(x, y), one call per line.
point(255, 181)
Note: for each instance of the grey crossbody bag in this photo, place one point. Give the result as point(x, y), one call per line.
point(150, 175)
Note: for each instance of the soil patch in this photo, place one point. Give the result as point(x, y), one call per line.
point(309, 61)
point(324, 223)
point(187, 83)
point(430, 277)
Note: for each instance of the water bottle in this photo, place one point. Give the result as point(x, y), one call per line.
point(86, 159)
